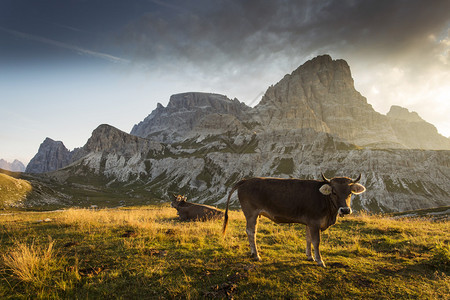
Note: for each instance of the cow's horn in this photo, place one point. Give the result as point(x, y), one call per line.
point(324, 178)
point(357, 179)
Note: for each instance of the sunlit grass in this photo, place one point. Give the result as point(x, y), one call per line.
point(147, 252)
point(12, 190)
point(30, 263)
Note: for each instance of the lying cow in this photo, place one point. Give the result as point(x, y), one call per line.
point(311, 202)
point(191, 211)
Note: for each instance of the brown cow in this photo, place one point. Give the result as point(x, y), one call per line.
point(191, 211)
point(311, 202)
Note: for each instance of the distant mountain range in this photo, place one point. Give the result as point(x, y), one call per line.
point(312, 121)
point(15, 166)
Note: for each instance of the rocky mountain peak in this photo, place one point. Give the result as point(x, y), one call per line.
point(415, 132)
point(320, 95)
point(105, 137)
point(192, 100)
point(327, 69)
point(401, 113)
point(109, 139)
point(312, 80)
point(184, 112)
point(52, 155)
point(15, 166)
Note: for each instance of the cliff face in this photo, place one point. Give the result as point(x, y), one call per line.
point(52, 155)
point(187, 111)
point(321, 95)
point(414, 132)
point(106, 138)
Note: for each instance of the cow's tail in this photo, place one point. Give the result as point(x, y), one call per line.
point(225, 220)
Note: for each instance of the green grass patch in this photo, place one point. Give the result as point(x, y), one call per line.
point(145, 252)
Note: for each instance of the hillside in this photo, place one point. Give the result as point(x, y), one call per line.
point(21, 191)
point(12, 191)
point(147, 253)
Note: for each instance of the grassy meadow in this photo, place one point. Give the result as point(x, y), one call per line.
point(146, 253)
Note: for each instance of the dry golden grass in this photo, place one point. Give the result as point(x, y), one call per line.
point(147, 252)
point(29, 262)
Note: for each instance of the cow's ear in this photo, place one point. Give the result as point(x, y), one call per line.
point(358, 188)
point(325, 189)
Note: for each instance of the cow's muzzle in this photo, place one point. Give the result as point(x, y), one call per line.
point(344, 211)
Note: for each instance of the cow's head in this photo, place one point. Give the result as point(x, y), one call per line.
point(178, 199)
point(340, 189)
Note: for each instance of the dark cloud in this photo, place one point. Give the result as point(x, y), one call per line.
point(245, 31)
point(211, 33)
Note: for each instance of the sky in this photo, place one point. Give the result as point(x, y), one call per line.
point(67, 66)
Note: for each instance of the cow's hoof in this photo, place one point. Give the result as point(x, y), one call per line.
point(255, 257)
point(321, 264)
point(310, 258)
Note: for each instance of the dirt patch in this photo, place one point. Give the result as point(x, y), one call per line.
point(338, 265)
point(90, 272)
point(155, 252)
point(221, 291)
point(227, 289)
point(129, 233)
point(170, 232)
point(70, 244)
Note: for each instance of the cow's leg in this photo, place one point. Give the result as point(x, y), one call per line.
point(308, 245)
point(252, 222)
point(315, 238)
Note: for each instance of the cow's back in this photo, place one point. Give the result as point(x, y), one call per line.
point(193, 211)
point(291, 199)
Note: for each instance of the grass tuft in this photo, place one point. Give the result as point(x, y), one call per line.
point(29, 262)
point(440, 258)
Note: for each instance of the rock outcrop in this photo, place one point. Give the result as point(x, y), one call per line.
point(15, 166)
point(106, 138)
point(114, 153)
point(52, 155)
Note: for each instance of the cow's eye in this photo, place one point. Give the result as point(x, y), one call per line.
point(333, 192)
